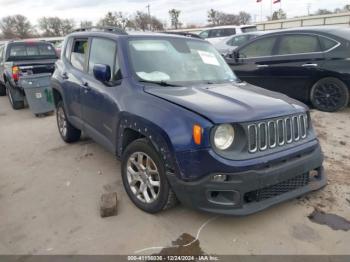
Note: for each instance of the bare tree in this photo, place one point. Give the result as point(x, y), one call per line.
point(86, 23)
point(174, 18)
point(117, 19)
point(213, 17)
point(244, 18)
point(16, 26)
point(277, 15)
point(54, 26)
point(141, 21)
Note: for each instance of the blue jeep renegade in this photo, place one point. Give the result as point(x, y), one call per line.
point(184, 127)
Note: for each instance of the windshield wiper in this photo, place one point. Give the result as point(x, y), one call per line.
point(161, 83)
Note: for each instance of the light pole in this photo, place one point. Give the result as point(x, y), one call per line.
point(149, 17)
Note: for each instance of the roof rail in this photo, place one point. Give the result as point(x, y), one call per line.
point(112, 29)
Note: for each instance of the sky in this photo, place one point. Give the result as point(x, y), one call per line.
point(192, 11)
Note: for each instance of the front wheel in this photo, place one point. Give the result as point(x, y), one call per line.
point(67, 131)
point(329, 94)
point(144, 178)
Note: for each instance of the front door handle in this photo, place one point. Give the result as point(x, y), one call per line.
point(262, 66)
point(86, 86)
point(310, 65)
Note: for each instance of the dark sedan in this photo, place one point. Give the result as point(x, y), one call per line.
point(308, 64)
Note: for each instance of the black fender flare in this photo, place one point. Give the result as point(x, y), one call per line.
point(155, 134)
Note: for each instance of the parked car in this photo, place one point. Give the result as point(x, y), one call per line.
point(182, 34)
point(308, 64)
point(182, 124)
point(22, 58)
point(219, 33)
point(229, 44)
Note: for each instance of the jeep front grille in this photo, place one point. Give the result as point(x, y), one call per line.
point(277, 132)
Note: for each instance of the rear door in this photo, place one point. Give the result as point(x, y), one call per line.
point(1, 64)
point(295, 64)
point(253, 61)
point(73, 74)
point(100, 109)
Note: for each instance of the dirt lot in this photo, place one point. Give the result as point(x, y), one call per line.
point(49, 195)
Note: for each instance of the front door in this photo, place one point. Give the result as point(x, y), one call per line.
point(253, 61)
point(99, 107)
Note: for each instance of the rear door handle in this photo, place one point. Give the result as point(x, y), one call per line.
point(262, 66)
point(310, 65)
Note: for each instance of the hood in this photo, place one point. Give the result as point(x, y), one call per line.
point(229, 103)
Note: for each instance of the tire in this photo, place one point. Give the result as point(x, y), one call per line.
point(68, 132)
point(140, 175)
point(16, 104)
point(2, 89)
point(329, 94)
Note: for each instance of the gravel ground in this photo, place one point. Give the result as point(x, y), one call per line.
point(50, 191)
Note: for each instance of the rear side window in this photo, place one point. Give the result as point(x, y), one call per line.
point(222, 32)
point(103, 51)
point(258, 48)
point(204, 34)
point(1, 53)
point(327, 43)
point(298, 44)
point(31, 51)
point(249, 29)
point(79, 53)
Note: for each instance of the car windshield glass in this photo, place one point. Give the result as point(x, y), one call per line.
point(26, 51)
point(178, 60)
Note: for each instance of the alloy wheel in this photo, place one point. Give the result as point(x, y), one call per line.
point(61, 121)
point(328, 95)
point(143, 177)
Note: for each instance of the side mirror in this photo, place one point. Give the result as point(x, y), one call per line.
point(102, 72)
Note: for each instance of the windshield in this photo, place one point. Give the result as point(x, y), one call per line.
point(31, 50)
point(176, 60)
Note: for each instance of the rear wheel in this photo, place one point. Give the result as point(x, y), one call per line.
point(67, 131)
point(15, 103)
point(329, 94)
point(144, 178)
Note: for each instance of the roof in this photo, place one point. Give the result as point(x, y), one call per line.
point(228, 26)
point(342, 32)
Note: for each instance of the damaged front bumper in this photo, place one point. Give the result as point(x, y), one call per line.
point(250, 191)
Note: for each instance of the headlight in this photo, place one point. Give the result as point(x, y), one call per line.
point(224, 136)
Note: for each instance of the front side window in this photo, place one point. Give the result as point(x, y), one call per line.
point(259, 48)
point(103, 51)
point(298, 44)
point(178, 60)
point(238, 40)
point(68, 48)
point(79, 53)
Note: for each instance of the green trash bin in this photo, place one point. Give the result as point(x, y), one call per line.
point(38, 92)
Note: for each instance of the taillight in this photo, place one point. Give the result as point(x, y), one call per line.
point(15, 73)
